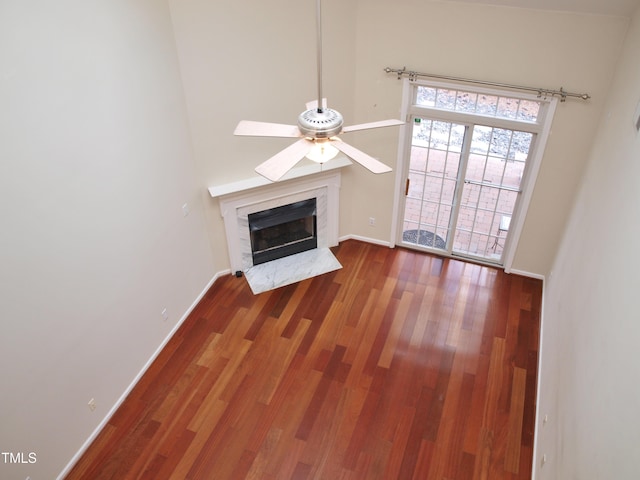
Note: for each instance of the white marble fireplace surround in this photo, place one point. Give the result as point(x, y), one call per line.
point(240, 199)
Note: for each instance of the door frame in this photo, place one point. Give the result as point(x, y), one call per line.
point(528, 181)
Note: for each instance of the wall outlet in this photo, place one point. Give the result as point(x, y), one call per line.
point(372, 221)
point(92, 405)
point(164, 314)
point(185, 210)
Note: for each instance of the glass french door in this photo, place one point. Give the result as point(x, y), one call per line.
point(463, 182)
point(432, 183)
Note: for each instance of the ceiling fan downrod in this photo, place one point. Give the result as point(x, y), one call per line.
point(320, 121)
point(319, 52)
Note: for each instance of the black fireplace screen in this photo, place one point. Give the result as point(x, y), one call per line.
point(282, 231)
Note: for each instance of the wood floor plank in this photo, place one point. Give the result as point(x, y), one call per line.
point(399, 442)
point(476, 410)
point(324, 446)
point(400, 365)
point(514, 440)
point(360, 432)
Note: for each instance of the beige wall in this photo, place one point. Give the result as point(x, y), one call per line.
point(590, 369)
point(256, 60)
point(95, 165)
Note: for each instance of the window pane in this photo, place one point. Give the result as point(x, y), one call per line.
point(429, 215)
point(418, 159)
point(426, 96)
point(482, 222)
point(440, 134)
point(475, 168)
point(506, 202)
point(487, 201)
point(494, 170)
point(416, 184)
point(487, 105)
point(513, 174)
point(466, 102)
point(481, 139)
point(452, 165)
point(446, 99)
point(520, 146)
point(507, 107)
point(478, 244)
point(433, 188)
point(500, 142)
point(528, 111)
point(412, 210)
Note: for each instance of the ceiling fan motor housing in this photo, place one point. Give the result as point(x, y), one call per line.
point(317, 123)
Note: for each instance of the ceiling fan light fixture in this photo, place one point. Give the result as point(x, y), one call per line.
point(322, 151)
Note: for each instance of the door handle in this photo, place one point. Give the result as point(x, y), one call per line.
point(406, 187)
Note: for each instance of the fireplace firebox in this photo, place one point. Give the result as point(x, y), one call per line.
point(282, 231)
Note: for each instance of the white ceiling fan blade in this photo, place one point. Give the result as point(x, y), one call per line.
point(367, 161)
point(264, 129)
point(365, 126)
point(312, 105)
point(285, 160)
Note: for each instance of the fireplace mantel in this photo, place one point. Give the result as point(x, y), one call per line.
point(259, 181)
point(244, 198)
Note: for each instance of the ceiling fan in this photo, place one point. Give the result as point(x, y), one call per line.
point(317, 129)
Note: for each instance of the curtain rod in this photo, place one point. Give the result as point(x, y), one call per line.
point(542, 92)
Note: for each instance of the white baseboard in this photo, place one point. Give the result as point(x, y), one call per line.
point(535, 463)
point(365, 239)
point(527, 274)
point(137, 378)
point(384, 243)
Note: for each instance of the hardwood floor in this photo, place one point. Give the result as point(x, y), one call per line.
point(400, 365)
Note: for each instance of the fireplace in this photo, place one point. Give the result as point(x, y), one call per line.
point(282, 231)
point(240, 200)
point(295, 219)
